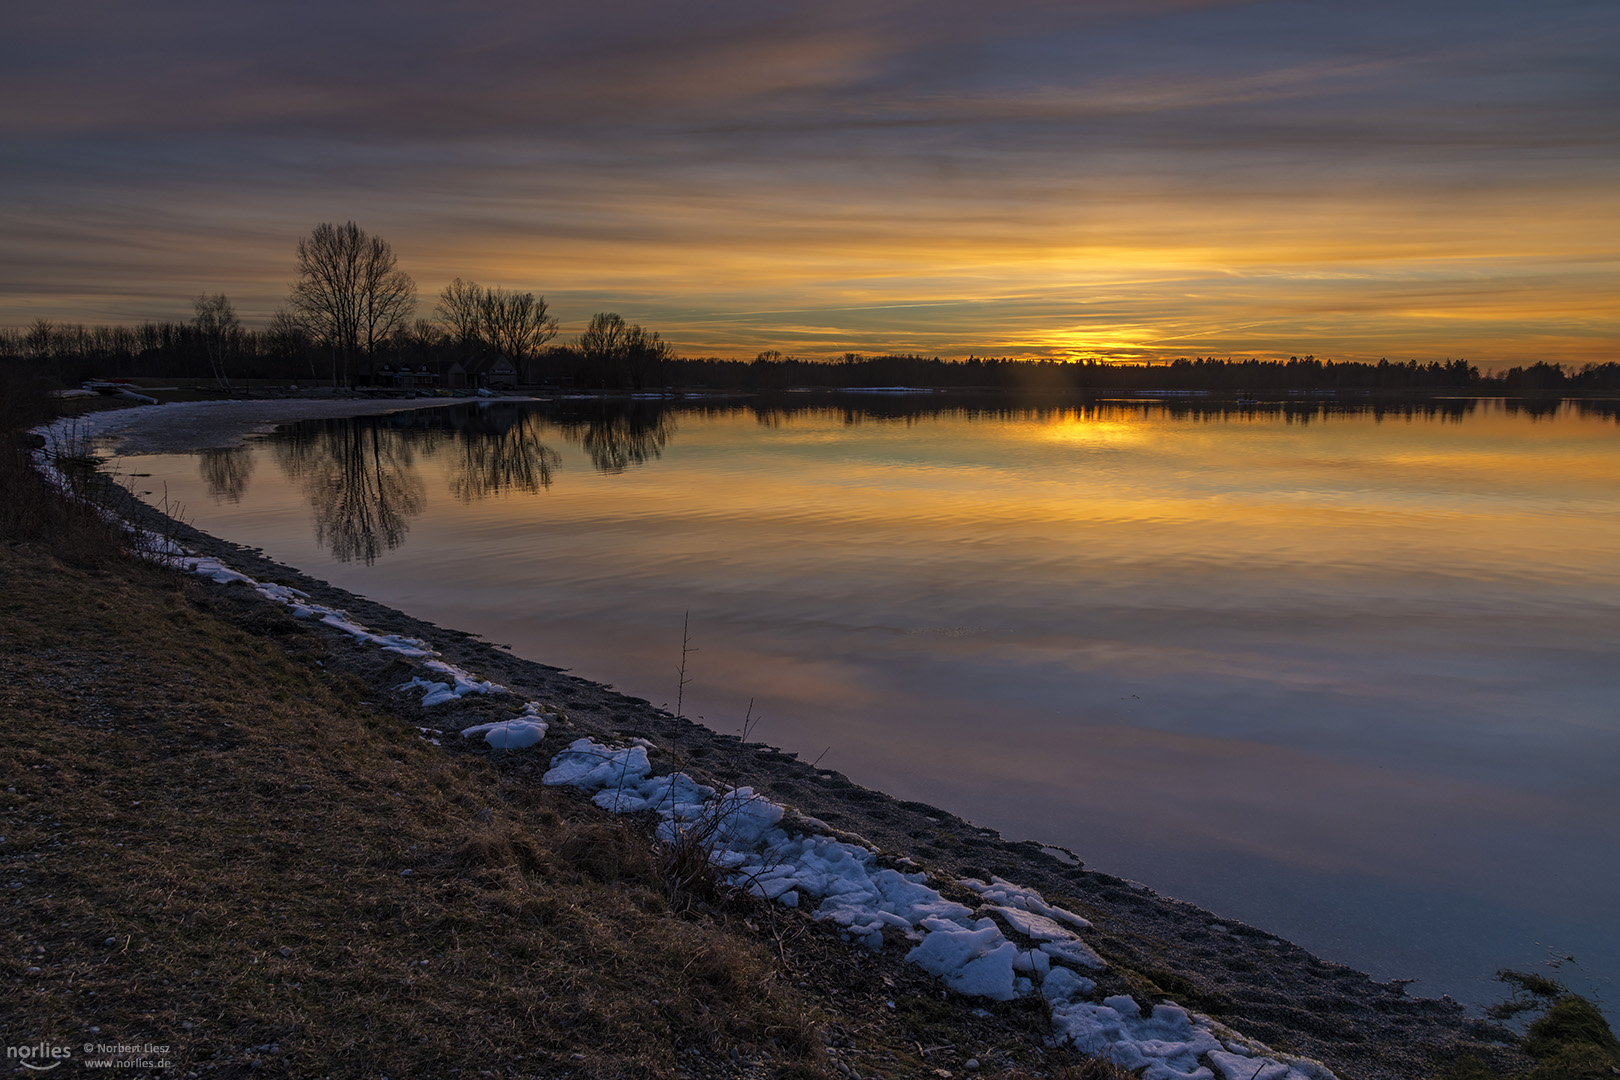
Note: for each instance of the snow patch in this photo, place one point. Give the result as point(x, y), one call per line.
point(745, 840)
point(525, 729)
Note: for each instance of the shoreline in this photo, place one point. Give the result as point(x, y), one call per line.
point(1157, 947)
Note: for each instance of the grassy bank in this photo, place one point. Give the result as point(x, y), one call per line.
point(216, 843)
point(224, 835)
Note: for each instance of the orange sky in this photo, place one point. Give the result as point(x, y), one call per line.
point(1418, 180)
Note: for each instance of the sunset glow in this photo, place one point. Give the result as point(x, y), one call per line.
point(1080, 181)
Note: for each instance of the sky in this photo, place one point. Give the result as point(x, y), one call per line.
point(1109, 179)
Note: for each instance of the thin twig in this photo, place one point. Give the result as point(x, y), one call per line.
point(686, 647)
point(749, 721)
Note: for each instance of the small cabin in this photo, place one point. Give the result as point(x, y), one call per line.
point(405, 377)
point(493, 372)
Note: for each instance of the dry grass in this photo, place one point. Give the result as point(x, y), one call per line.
point(307, 873)
point(214, 842)
point(30, 512)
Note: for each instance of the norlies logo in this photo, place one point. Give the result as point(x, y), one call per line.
point(41, 1057)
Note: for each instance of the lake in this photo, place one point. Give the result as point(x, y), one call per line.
point(1348, 673)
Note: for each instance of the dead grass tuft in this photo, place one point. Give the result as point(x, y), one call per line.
point(501, 847)
point(613, 852)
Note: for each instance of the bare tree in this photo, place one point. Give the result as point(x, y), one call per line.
point(606, 340)
point(514, 324)
point(460, 309)
point(350, 292)
point(426, 333)
point(517, 324)
point(40, 341)
point(288, 340)
point(623, 353)
point(219, 328)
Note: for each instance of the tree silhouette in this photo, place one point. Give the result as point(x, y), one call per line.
point(361, 483)
point(458, 310)
point(226, 472)
point(513, 324)
point(350, 292)
point(219, 329)
point(618, 438)
point(623, 354)
point(497, 461)
point(516, 324)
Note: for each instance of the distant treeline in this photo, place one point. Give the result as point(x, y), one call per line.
point(72, 354)
point(770, 372)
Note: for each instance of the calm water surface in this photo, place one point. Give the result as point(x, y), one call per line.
point(1349, 676)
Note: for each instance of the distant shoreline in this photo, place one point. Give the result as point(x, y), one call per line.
point(210, 423)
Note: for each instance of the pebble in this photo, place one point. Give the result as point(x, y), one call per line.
point(971, 1065)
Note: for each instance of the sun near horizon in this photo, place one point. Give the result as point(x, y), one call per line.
point(1431, 181)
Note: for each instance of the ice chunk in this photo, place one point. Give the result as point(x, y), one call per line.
point(590, 765)
point(523, 730)
point(976, 961)
point(212, 569)
point(1031, 925)
point(746, 841)
point(1165, 1044)
point(1003, 892)
point(1074, 952)
point(433, 693)
point(1032, 962)
point(464, 682)
point(1062, 986)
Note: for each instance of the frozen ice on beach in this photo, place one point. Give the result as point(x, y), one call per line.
point(512, 734)
point(441, 693)
point(748, 843)
point(460, 685)
point(1063, 985)
point(975, 960)
point(396, 643)
point(465, 682)
point(525, 729)
point(1007, 895)
point(215, 571)
point(460, 682)
point(1165, 1043)
point(966, 950)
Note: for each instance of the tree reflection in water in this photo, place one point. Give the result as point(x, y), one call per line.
point(360, 474)
point(360, 481)
point(501, 456)
point(620, 436)
point(226, 472)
